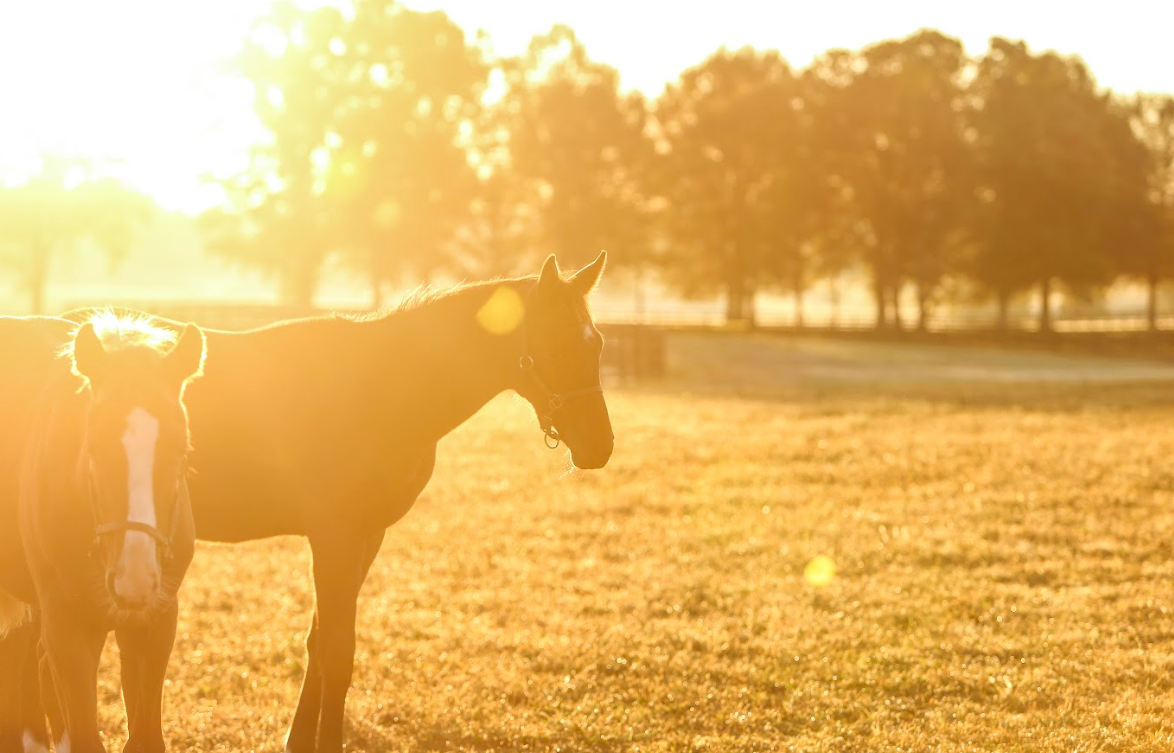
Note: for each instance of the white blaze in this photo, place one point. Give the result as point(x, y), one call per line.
point(137, 573)
point(63, 743)
point(31, 744)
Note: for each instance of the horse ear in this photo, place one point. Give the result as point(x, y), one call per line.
point(549, 277)
point(585, 280)
point(89, 357)
point(186, 359)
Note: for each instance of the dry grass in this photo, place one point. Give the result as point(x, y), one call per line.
point(1005, 558)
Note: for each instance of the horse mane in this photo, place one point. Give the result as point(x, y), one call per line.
point(425, 294)
point(121, 332)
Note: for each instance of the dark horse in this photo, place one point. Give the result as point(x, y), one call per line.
point(327, 428)
point(96, 529)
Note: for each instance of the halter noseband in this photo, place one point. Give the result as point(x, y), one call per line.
point(554, 400)
point(102, 530)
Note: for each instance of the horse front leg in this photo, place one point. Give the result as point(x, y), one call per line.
point(35, 733)
point(50, 701)
point(145, 651)
point(22, 723)
point(340, 567)
point(73, 650)
point(303, 731)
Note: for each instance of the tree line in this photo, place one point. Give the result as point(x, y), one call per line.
point(411, 150)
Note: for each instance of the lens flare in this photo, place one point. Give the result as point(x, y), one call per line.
point(502, 313)
point(820, 571)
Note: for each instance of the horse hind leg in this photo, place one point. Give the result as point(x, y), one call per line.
point(35, 732)
point(340, 567)
point(22, 721)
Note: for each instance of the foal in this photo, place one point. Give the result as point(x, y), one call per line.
point(96, 530)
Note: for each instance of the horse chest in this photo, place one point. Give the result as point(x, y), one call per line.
point(402, 487)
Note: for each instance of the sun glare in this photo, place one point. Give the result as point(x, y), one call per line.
point(132, 84)
point(820, 571)
point(503, 312)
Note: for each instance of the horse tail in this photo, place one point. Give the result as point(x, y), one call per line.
point(13, 612)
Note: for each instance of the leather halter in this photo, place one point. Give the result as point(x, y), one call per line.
point(554, 400)
point(104, 529)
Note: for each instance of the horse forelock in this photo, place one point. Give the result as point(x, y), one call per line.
point(124, 332)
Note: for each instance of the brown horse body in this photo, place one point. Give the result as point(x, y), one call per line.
point(85, 451)
point(327, 428)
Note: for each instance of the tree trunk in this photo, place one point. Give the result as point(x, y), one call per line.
point(922, 308)
point(895, 295)
point(797, 286)
point(1004, 300)
point(878, 292)
point(735, 303)
point(376, 292)
point(1045, 305)
point(749, 311)
point(299, 284)
point(1151, 309)
point(638, 293)
point(834, 296)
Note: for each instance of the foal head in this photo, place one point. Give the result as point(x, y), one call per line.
point(562, 363)
point(135, 445)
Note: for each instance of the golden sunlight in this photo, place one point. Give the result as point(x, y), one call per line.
point(132, 84)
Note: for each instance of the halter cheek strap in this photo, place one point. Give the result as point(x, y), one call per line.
point(554, 400)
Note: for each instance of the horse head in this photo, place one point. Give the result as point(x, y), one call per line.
point(134, 458)
point(561, 363)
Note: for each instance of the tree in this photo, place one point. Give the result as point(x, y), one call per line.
point(896, 141)
point(277, 216)
point(1053, 153)
point(64, 206)
point(736, 177)
point(398, 159)
point(1151, 255)
point(582, 146)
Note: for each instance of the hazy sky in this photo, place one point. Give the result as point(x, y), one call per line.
point(136, 80)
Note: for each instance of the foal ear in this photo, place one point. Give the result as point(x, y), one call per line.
point(186, 359)
point(89, 357)
point(585, 280)
point(548, 279)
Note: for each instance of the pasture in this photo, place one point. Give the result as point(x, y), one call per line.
point(1002, 526)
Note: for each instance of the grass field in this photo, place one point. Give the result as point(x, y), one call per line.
point(1004, 555)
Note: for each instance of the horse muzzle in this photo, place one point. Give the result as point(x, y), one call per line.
point(134, 580)
point(592, 458)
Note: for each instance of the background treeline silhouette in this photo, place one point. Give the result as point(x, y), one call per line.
point(410, 150)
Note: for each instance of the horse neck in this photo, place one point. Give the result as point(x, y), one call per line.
point(448, 365)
